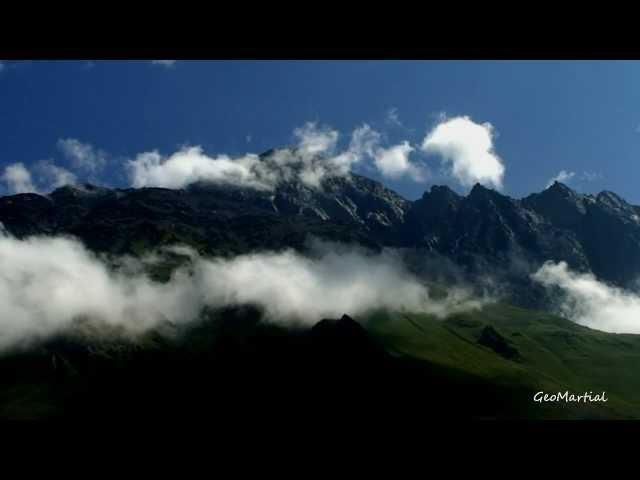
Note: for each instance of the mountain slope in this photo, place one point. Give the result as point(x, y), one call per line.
point(408, 363)
point(552, 355)
point(482, 232)
point(388, 367)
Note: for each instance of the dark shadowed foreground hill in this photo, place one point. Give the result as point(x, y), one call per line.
point(234, 370)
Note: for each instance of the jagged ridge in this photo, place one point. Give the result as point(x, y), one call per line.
point(485, 229)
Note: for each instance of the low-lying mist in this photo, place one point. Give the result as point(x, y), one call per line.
point(587, 301)
point(47, 284)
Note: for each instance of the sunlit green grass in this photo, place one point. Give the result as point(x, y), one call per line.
point(555, 355)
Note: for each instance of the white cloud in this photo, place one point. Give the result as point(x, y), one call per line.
point(567, 177)
point(315, 156)
point(54, 176)
point(47, 284)
point(313, 159)
point(18, 179)
point(334, 281)
point(590, 302)
point(164, 63)
point(315, 140)
point(83, 156)
point(393, 118)
point(562, 177)
point(191, 164)
point(394, 162)
point(467, 149)
point(364, 141)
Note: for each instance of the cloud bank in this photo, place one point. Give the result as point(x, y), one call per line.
point(466, 149)
point(313, 158)
point(190, 165)
point(47, 284)
point(590, 302)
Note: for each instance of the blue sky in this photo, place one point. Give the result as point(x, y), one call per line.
point(546, 117)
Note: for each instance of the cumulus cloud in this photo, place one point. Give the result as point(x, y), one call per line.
point(314, 140)
point(310, 161)
point(364, 141)
point(18, 179)
point(54, 176)
point(48, 284)
point(562, 177)
point(590, 302)
point(83, 156)
point(313, 157)
point(394, 162)
point(191, 164)
point(467, 149)
point(164, 63)
point(391, 162)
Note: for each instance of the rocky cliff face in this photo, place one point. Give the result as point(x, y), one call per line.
point(606, 229)
point(486, 228)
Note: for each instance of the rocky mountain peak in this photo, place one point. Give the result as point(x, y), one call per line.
point(559, 203)
point(487, 200)
point(441, 192)
point(611, 200)
point(480, 194)
point(600, 233)
point(560, 187)
point(438, 201)
point(76, 190)
point(479, 189)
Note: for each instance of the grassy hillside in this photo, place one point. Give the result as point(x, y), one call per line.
point(483, 364)
point(550, 354)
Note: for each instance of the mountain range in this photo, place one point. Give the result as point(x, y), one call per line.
point(484, 229)
point(411, 366)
